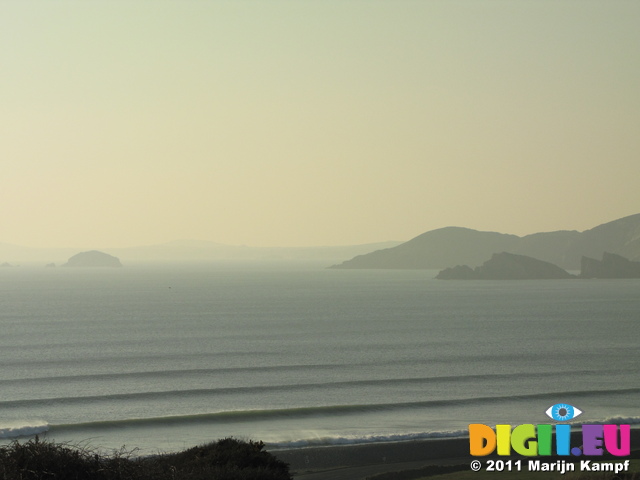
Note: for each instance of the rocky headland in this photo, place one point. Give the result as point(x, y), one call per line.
point(443, 247)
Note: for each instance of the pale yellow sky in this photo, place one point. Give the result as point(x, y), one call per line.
point(332, 122)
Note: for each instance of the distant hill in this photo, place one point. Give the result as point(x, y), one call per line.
point(437, 249)
point(448, 246)
point(203, 251)
point(194, 251)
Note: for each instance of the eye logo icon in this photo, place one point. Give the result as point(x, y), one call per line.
point(563, 412)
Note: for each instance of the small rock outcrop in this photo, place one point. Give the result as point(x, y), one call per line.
point(506, 266)
point(93, 258)
point(611, 266)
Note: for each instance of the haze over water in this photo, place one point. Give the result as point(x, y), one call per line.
point(298, 124)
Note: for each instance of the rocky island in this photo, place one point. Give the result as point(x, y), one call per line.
point(93, 258)
point(506, 266)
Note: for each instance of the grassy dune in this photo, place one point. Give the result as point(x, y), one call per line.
point(227, 459)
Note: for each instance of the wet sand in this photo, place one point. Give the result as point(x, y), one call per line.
point(357, 462)
point(354, 462)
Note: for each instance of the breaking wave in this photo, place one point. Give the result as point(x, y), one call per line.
point(617, 420)
point(23, 430)
point(355, 440)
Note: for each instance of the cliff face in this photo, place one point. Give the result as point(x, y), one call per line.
point(93, 259)
point(506, 266)
point(611, 266)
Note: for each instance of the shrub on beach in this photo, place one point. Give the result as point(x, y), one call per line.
point(35, 460)
point(227, 459)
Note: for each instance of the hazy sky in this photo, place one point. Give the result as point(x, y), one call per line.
point(327, 122)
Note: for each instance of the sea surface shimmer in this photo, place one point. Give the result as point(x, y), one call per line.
point(164, 358)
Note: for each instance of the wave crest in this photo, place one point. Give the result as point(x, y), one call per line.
point(23, 430)
point(618, 420)
point(355, 440)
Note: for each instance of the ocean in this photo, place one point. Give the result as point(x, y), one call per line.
point(162, 358)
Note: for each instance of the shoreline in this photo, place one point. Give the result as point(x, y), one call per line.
point(337, 456)
point(359, 461)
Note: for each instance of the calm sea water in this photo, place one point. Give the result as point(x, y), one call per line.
point(164, 358)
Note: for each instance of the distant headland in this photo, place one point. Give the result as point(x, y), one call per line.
point(444, 247)
point(93, 258)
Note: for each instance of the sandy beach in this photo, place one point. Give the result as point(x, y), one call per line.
point(361, 461)
point(358, 462)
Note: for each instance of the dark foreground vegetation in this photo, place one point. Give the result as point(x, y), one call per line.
point(227, 459)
